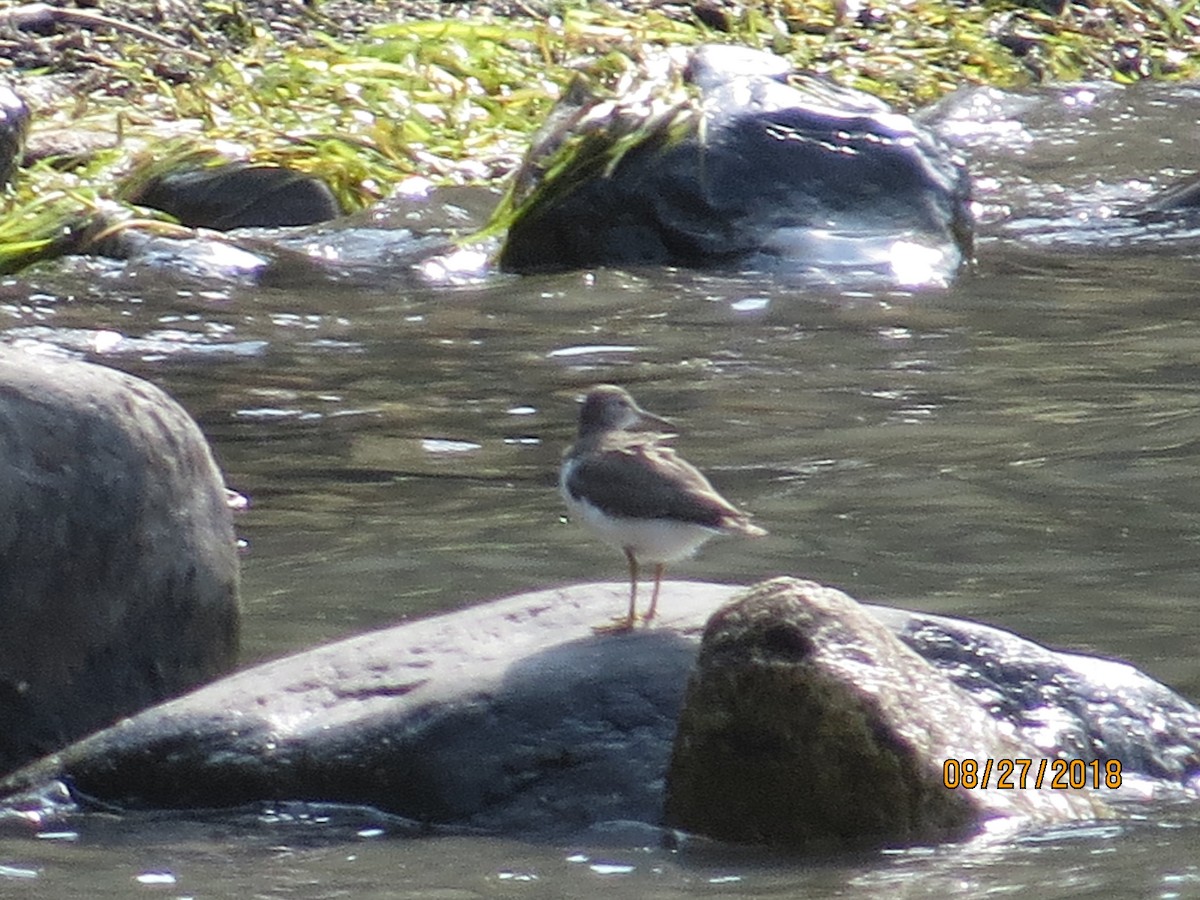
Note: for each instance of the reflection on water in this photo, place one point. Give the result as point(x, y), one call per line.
point(1021, 449)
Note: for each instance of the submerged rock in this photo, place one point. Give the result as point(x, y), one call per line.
point(745, 164)
point(515, 718)
point(1179, 200)
point(118, 564)
point(809, 725)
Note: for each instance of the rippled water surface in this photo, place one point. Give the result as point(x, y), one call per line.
point(1021, 449)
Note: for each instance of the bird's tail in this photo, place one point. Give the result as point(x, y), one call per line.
point(742, 526)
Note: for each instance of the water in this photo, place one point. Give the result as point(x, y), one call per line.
point(1021, 449)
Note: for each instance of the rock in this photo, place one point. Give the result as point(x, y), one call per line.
point(750, 165)
point(515, 718)
point(68, 147)
point(512, 717)
point(118, 564)
point(14, 125)
point(1178, 200)
point(809, 725)
point(231, 195)
point(1062, 704)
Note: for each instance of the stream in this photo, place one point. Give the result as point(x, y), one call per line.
point(1022, 448)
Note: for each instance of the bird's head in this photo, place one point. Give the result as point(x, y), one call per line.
point(610, 408)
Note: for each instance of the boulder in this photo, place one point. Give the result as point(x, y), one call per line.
point(515, 718)
point(118, 563)
point(228, 195)
point(809, 725)
point(734, 160)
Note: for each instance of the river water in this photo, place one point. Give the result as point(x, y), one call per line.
point(1022, 449)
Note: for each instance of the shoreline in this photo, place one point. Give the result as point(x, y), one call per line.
point(366, 93)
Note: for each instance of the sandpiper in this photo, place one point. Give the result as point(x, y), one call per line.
point(622, 482)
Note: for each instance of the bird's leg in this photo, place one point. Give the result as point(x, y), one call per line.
point(633, 578)
point(624, 623)
point(659, 568)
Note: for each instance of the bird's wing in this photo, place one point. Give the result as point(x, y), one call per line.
point(642, 479)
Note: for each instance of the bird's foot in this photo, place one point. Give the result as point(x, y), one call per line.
point(619, 625)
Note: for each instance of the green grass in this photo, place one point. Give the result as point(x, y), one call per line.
point(457, 101)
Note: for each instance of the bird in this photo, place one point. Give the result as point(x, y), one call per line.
point(622, 481)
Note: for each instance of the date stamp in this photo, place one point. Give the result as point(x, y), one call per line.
point(1019, 774)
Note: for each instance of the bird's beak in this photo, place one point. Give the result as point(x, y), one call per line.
point(648, 421)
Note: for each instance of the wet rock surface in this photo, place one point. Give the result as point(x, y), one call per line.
point(515, 718)
point(1079, 707)
point(118, 565)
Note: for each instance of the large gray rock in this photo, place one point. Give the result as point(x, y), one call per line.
point(516, 718)
point(512, 717)
point(734, 160)
point(118, 563)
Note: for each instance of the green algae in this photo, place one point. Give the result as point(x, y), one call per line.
point(456, 100)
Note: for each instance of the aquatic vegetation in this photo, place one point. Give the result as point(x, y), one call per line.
point(455, 99)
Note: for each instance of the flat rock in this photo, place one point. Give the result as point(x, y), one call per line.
point(513, 716)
